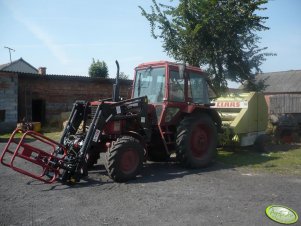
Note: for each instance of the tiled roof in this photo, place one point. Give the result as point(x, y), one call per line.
point(69, 77)
point(2, 66)
point(19, 65)
point(281, 82)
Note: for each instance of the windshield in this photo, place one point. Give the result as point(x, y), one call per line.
point(150, 82)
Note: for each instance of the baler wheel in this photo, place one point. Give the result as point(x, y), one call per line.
point(261, 142)
point(124, 159)
point(196, 141)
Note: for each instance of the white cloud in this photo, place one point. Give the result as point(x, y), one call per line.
point(39, 33)
point(47, 40)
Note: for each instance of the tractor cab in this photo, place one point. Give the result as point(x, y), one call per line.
point(169, 82)
point(171, 88)
point(177, 100)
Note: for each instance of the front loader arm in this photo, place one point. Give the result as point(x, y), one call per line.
point(61, 160)
point(106, 112)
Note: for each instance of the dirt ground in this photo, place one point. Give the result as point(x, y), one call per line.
point(164, 194)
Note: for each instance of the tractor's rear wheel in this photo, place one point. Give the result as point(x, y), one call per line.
point(124, 159)
point(196, 141)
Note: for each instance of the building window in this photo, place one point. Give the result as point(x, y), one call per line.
point(2, 115)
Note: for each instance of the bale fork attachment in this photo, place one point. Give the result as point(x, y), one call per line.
point(25, 156)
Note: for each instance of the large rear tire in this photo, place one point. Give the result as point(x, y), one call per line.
point(124, 159)
point(196, 141)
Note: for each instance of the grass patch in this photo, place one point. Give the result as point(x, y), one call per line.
point(282, 159)
point(6, 136)
point(52, 133)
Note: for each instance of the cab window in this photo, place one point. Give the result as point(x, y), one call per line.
point(176, 87)
point(197, 89)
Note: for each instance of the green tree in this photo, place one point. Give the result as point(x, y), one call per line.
point(219, 35)
point(98, 69)
point(122, 75)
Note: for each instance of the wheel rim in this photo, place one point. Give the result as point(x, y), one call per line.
point(129, 161)
point(200, 140)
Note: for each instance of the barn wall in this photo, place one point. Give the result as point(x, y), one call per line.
point(285, 103)
point(8, 101)
point(57, 94)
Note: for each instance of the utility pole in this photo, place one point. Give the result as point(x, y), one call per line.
point(9, 49)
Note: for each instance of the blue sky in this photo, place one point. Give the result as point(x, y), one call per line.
point(64, 36)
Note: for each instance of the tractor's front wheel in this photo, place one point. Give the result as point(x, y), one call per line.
point(196, 141)
point(124, 159)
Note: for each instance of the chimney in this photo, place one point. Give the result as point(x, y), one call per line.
point(42, 70)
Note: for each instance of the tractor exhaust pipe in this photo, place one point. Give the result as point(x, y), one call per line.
point(116, 96)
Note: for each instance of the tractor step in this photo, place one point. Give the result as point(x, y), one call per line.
point(25, 155)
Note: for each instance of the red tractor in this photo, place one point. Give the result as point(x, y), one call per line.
point(168, 112)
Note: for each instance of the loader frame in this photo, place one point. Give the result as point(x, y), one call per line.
point(65, 162)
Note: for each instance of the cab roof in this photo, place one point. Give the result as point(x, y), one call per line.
point(166, 63)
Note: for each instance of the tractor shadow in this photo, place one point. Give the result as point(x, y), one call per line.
point(164, 171)
point(283, 147)
point(151, 172)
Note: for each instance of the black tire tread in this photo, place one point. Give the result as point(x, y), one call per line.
point(183, 133)
point(112, 157)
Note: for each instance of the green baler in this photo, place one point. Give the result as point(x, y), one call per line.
point(244, 117)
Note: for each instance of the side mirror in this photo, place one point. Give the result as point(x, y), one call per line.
point(182, 68)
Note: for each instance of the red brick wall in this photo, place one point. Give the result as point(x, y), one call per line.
point(60, 92)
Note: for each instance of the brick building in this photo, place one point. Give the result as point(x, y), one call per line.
point(42, 97)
